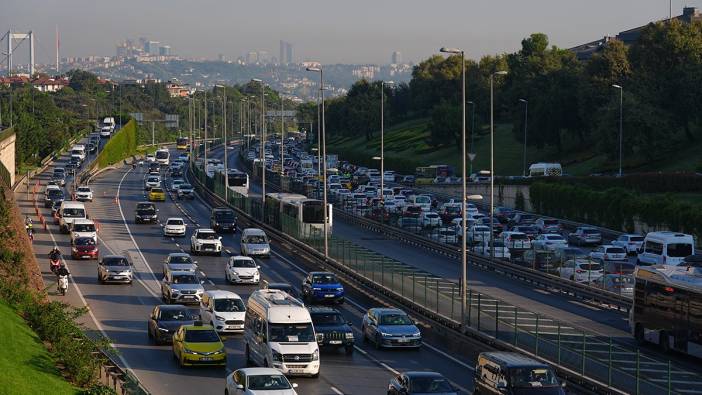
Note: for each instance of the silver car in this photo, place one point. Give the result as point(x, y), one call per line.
point(179, 262)
point(181, 287)
point(622, 284)
point(115, 268)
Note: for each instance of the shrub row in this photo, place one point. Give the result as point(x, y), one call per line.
point(121, 145)
point(615, 208)
point(54, 322)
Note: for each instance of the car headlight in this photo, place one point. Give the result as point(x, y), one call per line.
point(385, 334)
point(277, 357)
point(200, 291)
point(315, 355)
point(418, 334)
point(316, 289)
point(349, 335)
point(340, 289)
point(163, 330)
point(175, 291)
point(218, 318)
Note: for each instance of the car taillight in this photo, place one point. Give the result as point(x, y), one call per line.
point(579, 271)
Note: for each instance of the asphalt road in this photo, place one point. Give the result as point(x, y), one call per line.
point(120, 311)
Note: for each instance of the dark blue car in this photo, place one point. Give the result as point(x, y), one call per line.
point(322, 287)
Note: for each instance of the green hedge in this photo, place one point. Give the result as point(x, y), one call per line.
point(121, 145)
point(614, 208)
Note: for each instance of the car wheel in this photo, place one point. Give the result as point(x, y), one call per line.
point(349, 350)
point(378, 343)
point(99, 279)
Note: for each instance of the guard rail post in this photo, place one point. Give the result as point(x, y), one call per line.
point(609, 372)
point(479, 311)
point(558, 336)
point(582, 371)
point(497, 315)
point(516, 330)
point(536, 344)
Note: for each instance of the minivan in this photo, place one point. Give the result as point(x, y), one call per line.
point(665, 248)
point(514, 374)
point(254, 242)
point(69, 212)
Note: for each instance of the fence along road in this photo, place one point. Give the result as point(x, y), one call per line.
point(590, 354)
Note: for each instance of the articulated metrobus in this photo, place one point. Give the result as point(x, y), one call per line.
point(182, 143)
point(667, 306)
point(238, 182)
point(297, 214)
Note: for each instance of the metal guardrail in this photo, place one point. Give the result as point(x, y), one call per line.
point(535, 277)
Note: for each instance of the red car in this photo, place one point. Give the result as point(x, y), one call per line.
point(84, 247)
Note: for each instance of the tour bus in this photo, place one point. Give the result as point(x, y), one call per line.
point(182, 143)
point(162, 156)
point(298, 214)
point(545, 170)
point(667, 306)
point(238, 181)
point(278, 333)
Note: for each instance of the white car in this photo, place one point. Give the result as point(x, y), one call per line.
point(152, 182)
point(205, 241)
point(150, 158)
point(478, 233)
point(174, 227)
point(549, 241)
point(500, 249)
point(84, 193)
point(516, 240)
point(258, 381)
point(179, 262)
point(83, 228)
point(175, 184)
point(445, 235)
point(242, 270)
point(608, 253)
point(581, 270)
point(389, 176)
point(429, 219)
point(630, 242)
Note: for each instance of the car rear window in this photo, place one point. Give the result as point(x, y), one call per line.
point(590, 266)
point(591, 231)
point(679, 250)
point(518, 236)
point(615, 250)
point(636, 238)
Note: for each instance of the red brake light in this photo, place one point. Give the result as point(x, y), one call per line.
point(580, 271)
point(670, 290)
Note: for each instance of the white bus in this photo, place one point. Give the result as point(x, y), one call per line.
point(238, 182)
point(163, 156)
point(667, 308)
point(308, 214)
point(278, 333)
point(545, 170)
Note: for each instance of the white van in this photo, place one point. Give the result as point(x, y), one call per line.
point(83, 228)
point(665, 248)
point(254, 242)
point(69, 212)
point(106, 131)
point(79, 150)
point(109, 121)
point(223, 310)
point(422, 201)
point(278, 333)
point(545, 170)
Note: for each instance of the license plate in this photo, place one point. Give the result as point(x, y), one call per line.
point(328, 296)
point(299, 371)
point(206, 358)
point(334, 341)
point(117, 277)
point(188, 297)
point(403, 340)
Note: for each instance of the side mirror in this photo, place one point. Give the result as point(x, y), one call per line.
point(294, 385)
point(258, 266)
point(202, 281)
point(219, 238)
point(239, 387)
point(349, 323)
point(195, 262)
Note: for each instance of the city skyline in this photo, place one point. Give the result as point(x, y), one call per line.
point(416, 32)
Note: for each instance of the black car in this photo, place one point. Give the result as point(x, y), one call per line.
point(52, 196)
point(333, 331)
point(177, 172)
point(541, 260)
point(420, 383)
point(223, 219)
point(165, 320)
point(92, 148)
point(146, 212)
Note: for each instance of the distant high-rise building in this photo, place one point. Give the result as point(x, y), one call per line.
point(164, 50)
point(151, 47)
point(252, 57)
point(221, 58)
point(396, 57)
point(286, 52)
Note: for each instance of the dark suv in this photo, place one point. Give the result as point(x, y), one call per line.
point(223, 219)
point(146, 212)
point(333, 331)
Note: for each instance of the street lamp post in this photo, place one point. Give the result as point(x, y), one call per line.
point(282, 143)
point(263, 143)
point(526, 115)
point(382, 147)
point(621, 125)
point(224, 139)
point(464, 221)
point(492, 162)
point(471, 150)
point(324, 159)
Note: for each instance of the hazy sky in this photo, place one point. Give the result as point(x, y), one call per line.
point(331, 31)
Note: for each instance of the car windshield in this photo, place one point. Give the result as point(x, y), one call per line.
point(201, 336)
point(115, 261)
point(590, 266)
point(291, 332)
point(395, 319)
point(207, 235)
point(83, 189)
point(156, 190)
point(615, 250)
point(325, 278)
point(591, 231)
point(554, 237)
point(84, 241)
point(175, 222)
point(679, 250)
point(268, 382)
point(255, 240)
point(243, 263)
point(518, 236)
point(636, 238)
point(180, 259)
point(224, 215)
point(185, 279)
point(328, 319)
point(176, 315)
point(532, 377)
point(430, 385)
point(73, 213)
point(185, 186)
point(152, 179)
point(84, 228)
point(54, 193)
point(550, 222)
point(229, 305)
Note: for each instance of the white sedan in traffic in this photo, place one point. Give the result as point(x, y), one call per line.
point(174, 227)
point(84, 193)
point(242, 269)
point(259, 381)
point(549, 241)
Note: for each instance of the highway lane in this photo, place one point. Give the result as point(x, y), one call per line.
point(121, 310)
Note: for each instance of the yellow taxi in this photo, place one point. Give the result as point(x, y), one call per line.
point(157, 195)
point(198, 344)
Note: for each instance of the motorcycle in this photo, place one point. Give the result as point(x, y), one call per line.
point(30, 232)
point(62, 280)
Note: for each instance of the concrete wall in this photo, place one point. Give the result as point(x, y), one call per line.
point(7, 152)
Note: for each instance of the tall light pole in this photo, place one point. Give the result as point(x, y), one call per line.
point(324, 159)
point(282, 142)
point(464, 220)
point(621, 124)
point(205, 165)
point(319, 135)
point(382, 147)
point(263, 143)
point(224, 139)
point(526, 115)
point(471, 150)
point(492, 162)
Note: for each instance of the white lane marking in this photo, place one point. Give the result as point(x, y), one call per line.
point(91, 314)
point(386, 366)
point(211, 282)
point(336, 391)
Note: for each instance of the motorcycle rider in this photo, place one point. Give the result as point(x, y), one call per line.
point(55, 259)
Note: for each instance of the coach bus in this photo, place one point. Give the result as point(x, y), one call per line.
point(297, 214)
point(162, 156)
point(667, 308)
point(182, 143)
